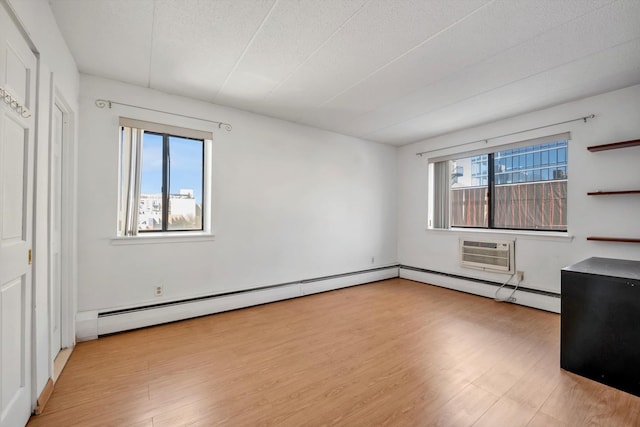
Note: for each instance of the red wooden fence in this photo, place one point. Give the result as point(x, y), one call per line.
point(536, 206)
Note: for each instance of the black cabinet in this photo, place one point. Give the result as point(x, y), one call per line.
point(600, 322)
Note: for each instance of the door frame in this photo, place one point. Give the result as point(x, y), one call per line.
point(68, 235)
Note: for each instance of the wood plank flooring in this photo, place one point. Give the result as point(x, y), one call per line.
point(391, 353)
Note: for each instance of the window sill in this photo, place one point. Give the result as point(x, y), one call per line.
point(174, 237)
point(524, 234)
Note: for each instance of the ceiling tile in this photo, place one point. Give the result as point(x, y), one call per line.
point(394, 71)
point(274, 54)
point(577, 38)
point(197, 43)
point(109, 38)
point(381, 32)
point(499, 26)
point(587, 76)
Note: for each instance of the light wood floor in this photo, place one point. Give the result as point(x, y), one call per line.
point(391, 353)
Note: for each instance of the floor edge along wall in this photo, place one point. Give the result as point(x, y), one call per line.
point(528, 297)
point(92, 324)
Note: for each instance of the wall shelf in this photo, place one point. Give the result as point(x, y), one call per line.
point(613, 239)
point(606, 193)
point(615, 145)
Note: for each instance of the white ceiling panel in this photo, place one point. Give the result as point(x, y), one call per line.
point(492, 30)
point(382, 31)
point(108, 38)
point(577, 38)
point(540, 91)
point(275, 55)
point(395, 71)
point(197, 43)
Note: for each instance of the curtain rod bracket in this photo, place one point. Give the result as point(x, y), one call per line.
point(101, 103)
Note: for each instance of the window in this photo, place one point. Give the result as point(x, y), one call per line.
point(162, 178)
point(521, 187)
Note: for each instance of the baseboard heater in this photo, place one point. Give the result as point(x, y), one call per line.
point(544, 300)
point(103, 323)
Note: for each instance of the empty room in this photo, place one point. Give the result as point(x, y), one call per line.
point(319, 212)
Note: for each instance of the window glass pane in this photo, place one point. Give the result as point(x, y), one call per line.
point(468, 194)
point(562, 155)
point(185, 183)
point(532, 199)
point(150, 203)
point(530, 189)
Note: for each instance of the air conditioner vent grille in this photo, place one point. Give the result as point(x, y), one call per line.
point(473, 243)
point(497, 256)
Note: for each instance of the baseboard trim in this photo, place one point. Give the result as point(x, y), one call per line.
point(534, 298)
point(44, 397)
point(243, 291)
point(93, 324)
point(60, 362)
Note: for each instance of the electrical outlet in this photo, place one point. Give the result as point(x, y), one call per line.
point(373, 260)
point(158, 290)
point(520, 276)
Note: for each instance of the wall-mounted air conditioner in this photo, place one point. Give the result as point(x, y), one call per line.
point(489, 255)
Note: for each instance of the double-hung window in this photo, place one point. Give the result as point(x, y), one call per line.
point(522, 186)
point(163, 185)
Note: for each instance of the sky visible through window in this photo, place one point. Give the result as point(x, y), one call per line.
point(186, 169)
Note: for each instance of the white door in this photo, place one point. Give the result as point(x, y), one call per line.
point(17, 78)
point(55, 227)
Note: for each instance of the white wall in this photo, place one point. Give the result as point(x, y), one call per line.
point(541, 258)
point(290, 202)
point(55, 59)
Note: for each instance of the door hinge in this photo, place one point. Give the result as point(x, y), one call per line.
point(30, 257)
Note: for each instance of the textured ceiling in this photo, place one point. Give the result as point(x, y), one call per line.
point(394, 71)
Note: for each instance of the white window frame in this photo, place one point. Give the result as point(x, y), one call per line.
point(431, 205)
point(167, 236)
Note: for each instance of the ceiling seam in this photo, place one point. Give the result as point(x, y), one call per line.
point(397, 58)
point(369, 134)
point(315, 51)
point(491, 58)
point(246, 49)
point(153, 26)
point(483, 60)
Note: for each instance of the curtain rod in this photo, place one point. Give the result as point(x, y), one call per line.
point(101, 103)
point(486, 140)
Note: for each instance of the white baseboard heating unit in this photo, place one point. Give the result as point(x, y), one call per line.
point(92, 324)
point(488, 255)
